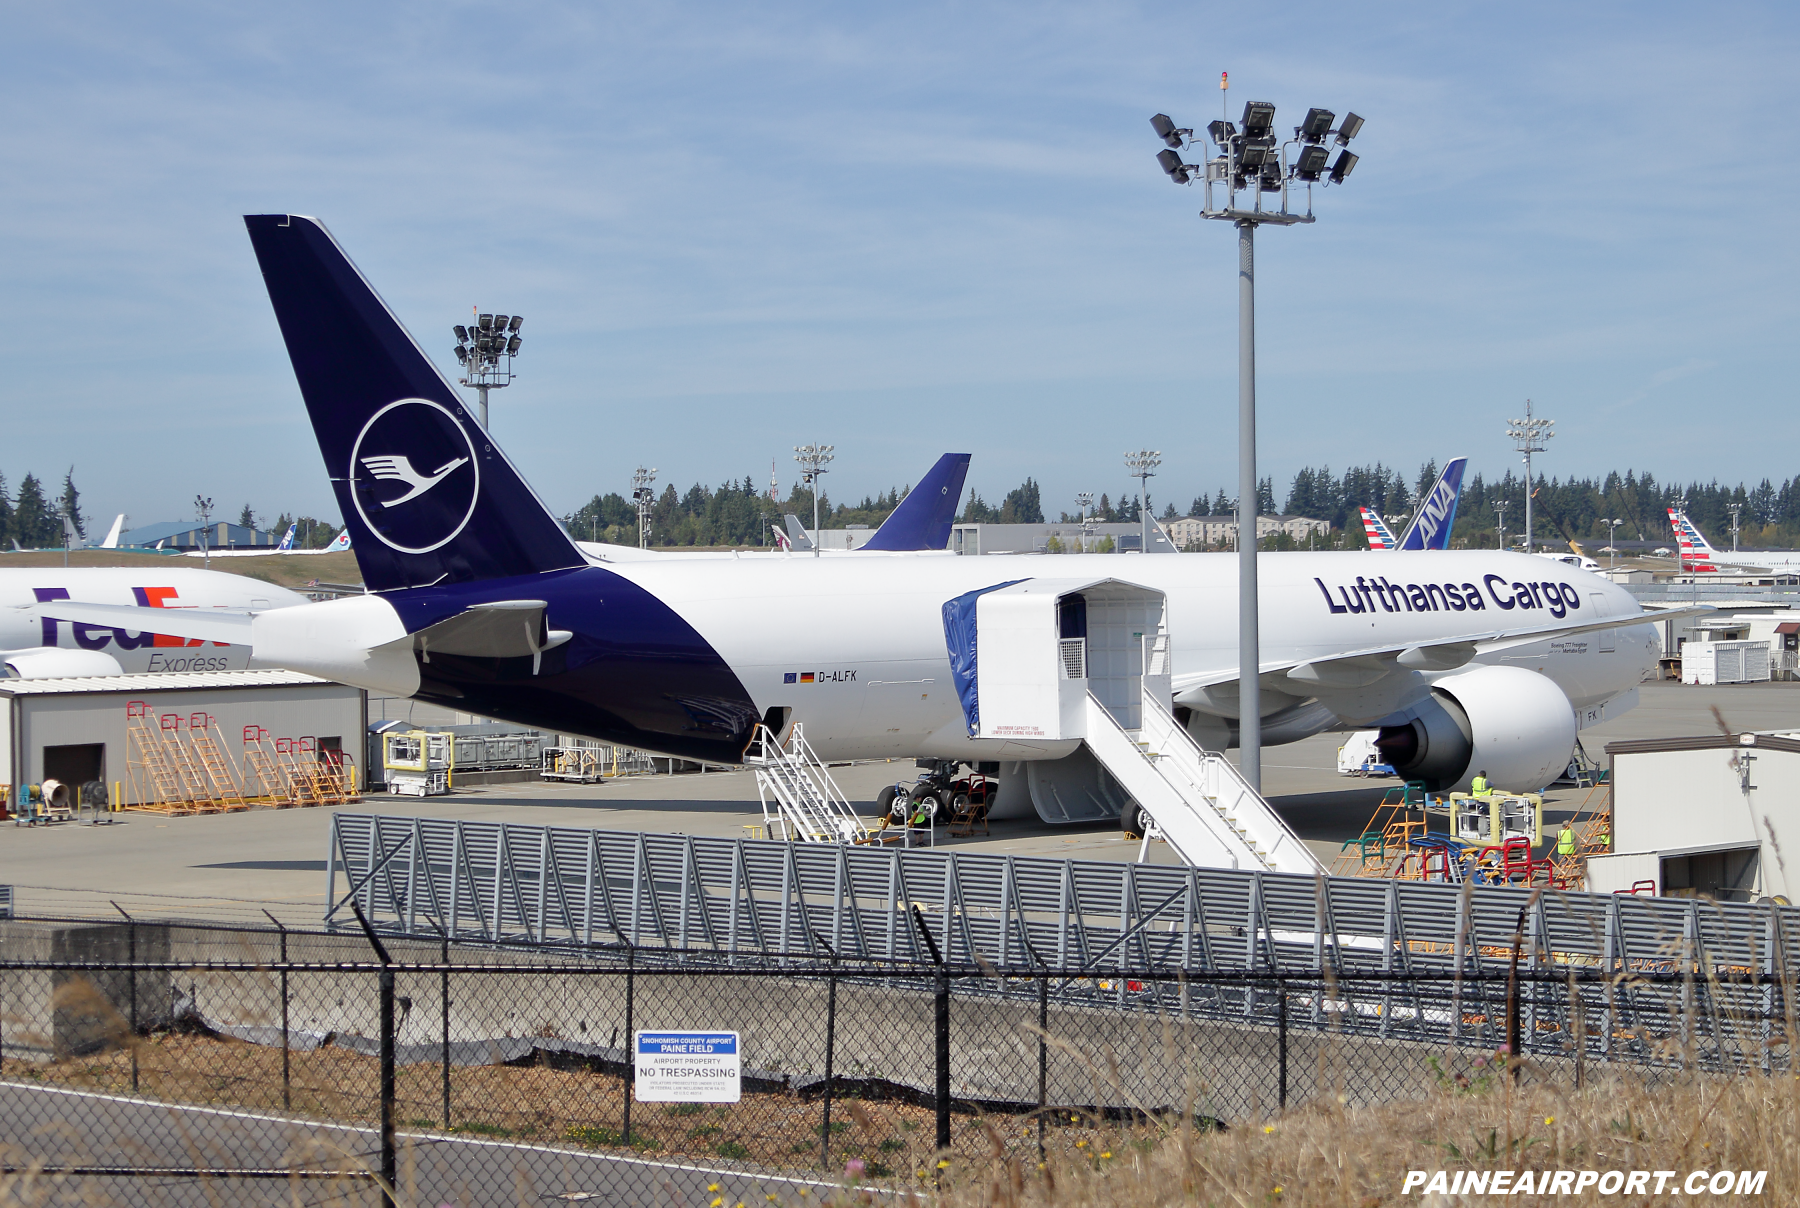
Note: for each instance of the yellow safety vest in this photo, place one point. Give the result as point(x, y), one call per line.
point(1565, 843)
point(1479, 787)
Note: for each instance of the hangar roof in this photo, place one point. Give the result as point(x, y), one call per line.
point(155, 682)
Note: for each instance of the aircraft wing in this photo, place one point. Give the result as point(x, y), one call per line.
point(1363, 668)
point(205, 624)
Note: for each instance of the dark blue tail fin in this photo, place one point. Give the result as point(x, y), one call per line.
point(426, 497)
point(1430, 529)
point(924, 517)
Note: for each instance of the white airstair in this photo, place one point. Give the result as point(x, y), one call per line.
point(799, 798)
point(1065, 659)
point(1194, 799)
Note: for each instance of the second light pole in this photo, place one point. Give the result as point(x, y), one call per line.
point(1255, 161)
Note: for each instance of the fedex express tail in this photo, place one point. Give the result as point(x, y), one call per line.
point(426, 498)
point(1696, 553)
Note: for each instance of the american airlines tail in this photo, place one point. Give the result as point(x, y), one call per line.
point(1696, 552)
point(1380, 537)
point(426, 498)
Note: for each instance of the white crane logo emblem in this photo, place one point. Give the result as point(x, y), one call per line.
point(400, 469)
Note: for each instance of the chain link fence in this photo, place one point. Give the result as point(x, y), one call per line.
point(159, 1062)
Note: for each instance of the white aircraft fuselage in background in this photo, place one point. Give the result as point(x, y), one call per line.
point(28, 618)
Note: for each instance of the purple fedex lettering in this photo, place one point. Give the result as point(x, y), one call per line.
point(44, 595)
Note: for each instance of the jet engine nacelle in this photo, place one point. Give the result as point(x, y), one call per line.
point(1515, 724)
point(46, 662)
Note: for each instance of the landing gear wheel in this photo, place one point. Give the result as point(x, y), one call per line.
point(1131, 820)
point(959, 803)
point(889, 801)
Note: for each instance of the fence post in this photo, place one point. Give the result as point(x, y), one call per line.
point(1514, 1058)
point(941, 1005)
point(630, 1039)
point(389, 1167)
point(131, 979)
point(1281, 1014)
point(444, 1000)
point(830, 1053)
point(1043, 1057)
point(287, 1102)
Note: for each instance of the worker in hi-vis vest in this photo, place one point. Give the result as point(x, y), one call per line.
point(1565, 841)
point(1479, 786)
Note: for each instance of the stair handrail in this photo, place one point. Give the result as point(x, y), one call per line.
point(1282, 841)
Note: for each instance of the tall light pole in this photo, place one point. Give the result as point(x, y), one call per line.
point(1612, 541)
point(1736, 511)
point(1142, 465)
point(644, 495)
point(1500, 512)
point(481, 349)
point(203, 509)
point(1255, 161)
point(813, 459)
point(1084, 503)
point(1529, 435)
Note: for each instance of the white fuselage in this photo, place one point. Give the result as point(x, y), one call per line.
point(869, 632)
point(26, 622)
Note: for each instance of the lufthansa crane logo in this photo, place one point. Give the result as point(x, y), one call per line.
point(414, 475)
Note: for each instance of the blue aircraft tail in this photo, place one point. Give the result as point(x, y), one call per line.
point(924, 517)
point(425, 496)
point(1430, 529)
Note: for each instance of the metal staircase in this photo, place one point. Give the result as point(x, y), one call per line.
point(798, 794)
point(1194, 799)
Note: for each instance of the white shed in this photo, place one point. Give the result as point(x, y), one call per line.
point(75, 729)
point(1704, 816)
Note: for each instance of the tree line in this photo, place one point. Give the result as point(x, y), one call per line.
point(741, 514)
point(32, 516)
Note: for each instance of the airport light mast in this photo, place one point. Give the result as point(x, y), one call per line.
point(1254, 160)
point(1612, 541)
point(485, 349)
point(1529, 435)
point(1142, 465)
point(813, 459)
point(645, 498)
point(1084, 503)
point(1737, 510)
point(1500, 512)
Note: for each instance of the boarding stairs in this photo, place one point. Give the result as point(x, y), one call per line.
point(799, 798)
point(1193, 799)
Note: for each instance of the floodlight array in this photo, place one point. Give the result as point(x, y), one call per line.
point(481, 345)
point(1250, 157)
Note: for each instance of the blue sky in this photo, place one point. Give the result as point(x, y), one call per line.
point(904, 229)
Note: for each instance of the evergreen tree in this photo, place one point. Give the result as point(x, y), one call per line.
point(1222, 505)
point(1265, 497)
point(247, 518)
point(7, 530)
point(34, 525)
point(1022, 505)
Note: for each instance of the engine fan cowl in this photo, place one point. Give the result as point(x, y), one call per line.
point(46, 662)
point(1516, 724)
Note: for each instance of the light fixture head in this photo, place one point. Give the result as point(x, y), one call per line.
point(1346, 160)
point(487, 322)
point(462, 355)
point(512, 346)
point(1309, 165)
point(1352, 125)
point(1259, 117)
point(1271, 176)
point(1171, 163)
point(517, 320)
point(1220, 131)
point(1316, 126)
point(1165, 129)
point(462, 334)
